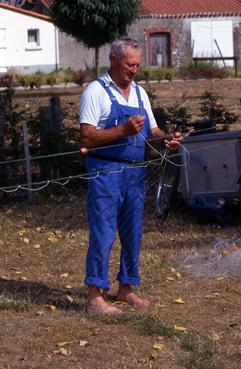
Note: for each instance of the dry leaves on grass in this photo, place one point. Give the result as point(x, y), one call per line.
point(179, 300)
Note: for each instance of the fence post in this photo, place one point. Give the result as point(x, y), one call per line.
point(3, 169)
point(27, 160)
point(50, 131)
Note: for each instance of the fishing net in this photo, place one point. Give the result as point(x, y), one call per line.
point(223, 258)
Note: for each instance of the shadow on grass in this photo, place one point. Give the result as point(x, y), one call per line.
point(19, 295)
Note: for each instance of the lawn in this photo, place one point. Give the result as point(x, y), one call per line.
point(191, 323)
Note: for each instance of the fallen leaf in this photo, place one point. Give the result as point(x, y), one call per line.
point(179, 300)
point(158, 346)
point(233, 247)
point(214, 295)
point(215, 337)
point(52, 239)
point(170, 279)
point(51, 307)
point(145, 360)
point(3, 277)
point(180, 328)
point(221, 278)
point(224, 253)
point(64, 343)
point(162, 306)
point(63, 351)
point(69, 298)
point(64, 275)
point(9, 211)
point(173, 270)
point(26, 240)
point(37, 246)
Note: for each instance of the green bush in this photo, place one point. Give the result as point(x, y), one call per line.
point(216, 112)
point(81, 76)
point(204, 69)
point(156, 74)
point(68, 76)
point(143, 74)
point(51, 79)
point(24, 80)
point(31, 80)
point(37, 80)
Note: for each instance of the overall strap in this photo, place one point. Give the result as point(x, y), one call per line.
point(107, 89)
point(140, 102)
point(111, 95)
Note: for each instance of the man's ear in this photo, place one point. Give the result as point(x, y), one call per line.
point(113, 58)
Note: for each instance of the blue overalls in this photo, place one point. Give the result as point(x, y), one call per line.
point(115, 200)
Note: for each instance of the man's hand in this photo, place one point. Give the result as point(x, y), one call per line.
point(83, 150)
point(133, 125)
point(174, 142)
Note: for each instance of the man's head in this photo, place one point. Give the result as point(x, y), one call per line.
point(118, 47)
point(125, 58)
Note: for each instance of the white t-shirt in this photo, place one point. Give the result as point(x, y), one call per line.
point(95, 103)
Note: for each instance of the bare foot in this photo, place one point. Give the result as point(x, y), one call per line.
point(100, 306)
point(126, 294)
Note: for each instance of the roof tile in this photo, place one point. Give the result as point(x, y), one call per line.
point(172, 8)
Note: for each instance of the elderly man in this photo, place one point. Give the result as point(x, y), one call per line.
point(115, 120)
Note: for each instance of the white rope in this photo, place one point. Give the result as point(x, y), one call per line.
point(165, 156)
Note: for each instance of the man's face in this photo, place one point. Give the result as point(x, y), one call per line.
point(127, 66)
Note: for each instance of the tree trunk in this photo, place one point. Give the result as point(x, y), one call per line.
point(97, 61)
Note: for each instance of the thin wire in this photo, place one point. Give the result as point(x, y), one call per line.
point(100, 148)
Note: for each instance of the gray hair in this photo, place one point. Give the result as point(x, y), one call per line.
point(118, 47)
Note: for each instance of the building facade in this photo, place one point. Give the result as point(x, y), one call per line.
point(28, 41)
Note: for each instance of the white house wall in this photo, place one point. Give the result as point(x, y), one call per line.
point(212, 38)
point(17, 53)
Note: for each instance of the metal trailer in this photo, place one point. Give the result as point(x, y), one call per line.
point(211, 168)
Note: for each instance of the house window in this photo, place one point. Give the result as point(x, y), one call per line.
point(33, 37)
point(160, 49)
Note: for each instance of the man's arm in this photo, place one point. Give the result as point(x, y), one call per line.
point(90, 136)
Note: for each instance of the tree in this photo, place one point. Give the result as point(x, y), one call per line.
point(95, 23)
